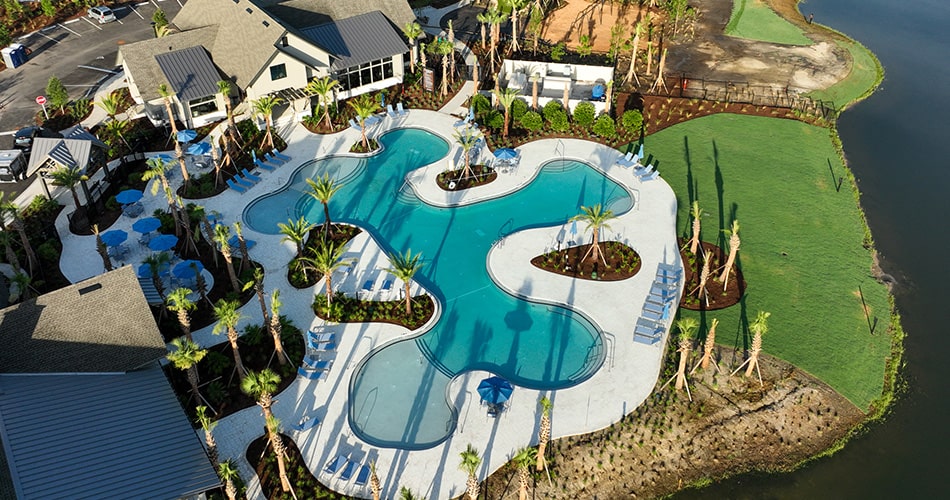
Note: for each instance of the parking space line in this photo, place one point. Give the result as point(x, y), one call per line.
point(40, 33)
point(92, 24)
point(133, 9)
point(69, 30)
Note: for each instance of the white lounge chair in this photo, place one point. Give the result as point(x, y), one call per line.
point(389, 111)
point(399, 108)
point(649, 177)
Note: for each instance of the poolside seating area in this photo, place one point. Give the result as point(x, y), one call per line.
point(658, 307)
point(246, 179)
point(347, 468)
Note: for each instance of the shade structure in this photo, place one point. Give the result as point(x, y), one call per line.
point(200, 148)
point(495, 390)
point(187, 135)
point(163, 242)
point(187, 269)
point(128, 196)
point(146, 225)
point(114, 237)
point(506, 154)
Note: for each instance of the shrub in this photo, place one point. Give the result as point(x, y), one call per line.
point(159, 18)
point(604, 127)
point(532, 121)
point(559, 121)
point(558, 51)
point(56, 93)
point(480, 104)
point(5, 38)
point(584, 114)
point(632, 119)
point(494, 120)
point(550, 109)
point(47, 252)
point(518, 108)
point(112, 204)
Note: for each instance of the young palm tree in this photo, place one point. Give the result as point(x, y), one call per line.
point(275, 326)
point(412, 31)
point(221, 235)
point(364, 107)
point(68, 177)
point(224, 88)
point(686, 326)
point(324, 260)
point(758, 327)
point(295, 231)
point(733, 251)
point(708, 347)
point(179, 303)
point(596, 219)
point(158, 262)
point(516, 7)
point(102, 249)
point(535, 78)
point(482, 19)
point(323, 190)
point(701, 291)
point(265, 106)
point(186, 357)
point(495, 17)
point(524, 459)
point(544, 432)
point(470, 463)
point(155, 169)
point(467, 138)
point(323, 89)
point(634, 47)
point(261, 386)
point(451, 39)
point(228, 316)
point(207, 230)
point(208, 425)
point(167, 94)
point(445, 49)
point(110, 104)
point(117, 128)
point(9, 208)
point(407, 494)
point(506, 97)
point(229, 472)
point(374, 484)
point(242, 246)
point(404, 267)
point(696, 212)
point(257, 282)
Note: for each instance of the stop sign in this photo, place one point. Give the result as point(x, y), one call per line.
point(41, 100)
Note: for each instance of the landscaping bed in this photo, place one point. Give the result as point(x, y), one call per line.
point(343, 309)
point(622, 262)
point(261, 457)
point(716, 296)
point(340, 235)
point(451, 180)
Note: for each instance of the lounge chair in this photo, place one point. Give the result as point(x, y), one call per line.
point(313, 364)
point(625, 160)
point(368, 286)
point(651, 176)
point(273, 159)
point(645, 334)
point(235, 242)
point(242, 181)
point(280, 156)
point(674, 274)
point(663, 266)
point(315, 339)
point(389, 111)
point(322, 347)
point(348, 470)
point(387, 285)
point(667, 281)
point(372, 120)
point(363, 475)
point(251, 177)
point(334, 465)
point(653, 307)
point(236, 187)
point(306, 423)
point(651, 315)
point(643, 171)
point(354, 125)
point(264, 166)
point(399, 109)
point(312, 374)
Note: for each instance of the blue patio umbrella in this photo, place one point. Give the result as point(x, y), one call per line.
point(145, 271)
point(200, 148)
point(165, 158)
point(505, 154)
point(146, 225)
point(187, 269)
point(163, 242)
point(114, 237)
point(495, 390)
point(187, 135)
point(128, 196)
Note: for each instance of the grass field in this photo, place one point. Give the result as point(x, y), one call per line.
point(865, 74)
point(801, 250)
point(753, 20)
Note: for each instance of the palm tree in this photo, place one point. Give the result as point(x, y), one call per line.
point(708, 347)
point(228, 316)
point(364, 107)
point(470, 463)
point(265, 106)
point(156, 168)
point(323, 190)
point(158, 262)
point(6, 239)
point(257, 282)
point(68, 177)
point(696, 212)
point(524, 459)
point(413, 31)
point(117, 128)
point(516, 7)
point(221, 235)
point(467, 138)
point(24, 285)
point(206, 229)
point(229, 472)
point(404, 267)
point(506, 97)
point(324, 260)
point(224, 88)
point(451, 39)
point(544, 432)
point(483, 22)
point(242, 246)
point(445, 49)
point(733, 251)
point(186, 357)
point(407, 494)
point(295, 231)
point(758, 327)
point(596, 218)
point(261, 386)
point(9, 208)
point(275, 326)
point(374, 484)
point(178, 302)
point(686, 326)
point(167, 94)
point(495, 17)
point(208, 425)
point(323, 89)
point(535, 78)
point(184, 221)
point(110, 104)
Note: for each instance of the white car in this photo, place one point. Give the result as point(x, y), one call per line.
point(102, 14)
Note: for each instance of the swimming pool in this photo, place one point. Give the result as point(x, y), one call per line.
point(398, 394)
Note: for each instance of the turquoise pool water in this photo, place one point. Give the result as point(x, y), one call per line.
point(398, 395)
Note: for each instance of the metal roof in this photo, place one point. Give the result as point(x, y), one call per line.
point(357, 40)
point(73, 153)
point(139, 57)
point(306, 13)
point(190, 73)
point(94, 436)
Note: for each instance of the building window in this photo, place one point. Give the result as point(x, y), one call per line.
point(279, 71)
point(203, 106)
point(365, 74)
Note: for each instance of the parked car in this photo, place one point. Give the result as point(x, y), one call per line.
point(102, 14)
point(23, 138)
point(12, 165)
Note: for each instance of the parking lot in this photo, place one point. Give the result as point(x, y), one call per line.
point(80, 52)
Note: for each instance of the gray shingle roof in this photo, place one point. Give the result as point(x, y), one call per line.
point(139, 57)
point(306, 13)
point(102, 325)
point(357, 40)
point(94, 436)
point(189, 72)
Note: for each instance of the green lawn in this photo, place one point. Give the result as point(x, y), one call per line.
point(801, 251)
point(865, 74)
point(754, 20)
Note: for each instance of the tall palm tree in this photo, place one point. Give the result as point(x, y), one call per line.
point(295, 231)
point(242, 246)
point(265, 106)
point(544, 432)
point(524, 459)
point(446, 49)
point(325, 260)
point(534, 78)
point(323, 89)
point(208, 425)
point(516, 7)
point(275, 326)
point(155, 169)
point(224, 88)
point(506, 97)
point(596, 219)
point(495, 17)
point(229, 472)
point(110, 104)
point(207, 230)
point(68, 177)
point(467, 138)
point(634, 47)
point(686, 326)
point(374, 484)
point(167, 94)
point(221, 235)
point(261, 386)
point(451, 39)
point(733, 251)
point(17, 225)
point(364, 107)
point(404, 267)
point(413, 31)
point(470, 463)
point(178, 302)
point(257, 282)
point(758, 327)
point(186, 356)
point(323, 190)
point(184, 221)
point(696, 212)
point(708, 347)
point(482, 19)
point(228, 316)
point(158, 262)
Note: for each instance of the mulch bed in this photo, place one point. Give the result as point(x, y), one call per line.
point(340, 235)
point(345, 309)
point(450, 179)
point(622, 262)
point(305, 485)
point(716, 297)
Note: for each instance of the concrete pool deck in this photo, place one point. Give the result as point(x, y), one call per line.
point(627, 376)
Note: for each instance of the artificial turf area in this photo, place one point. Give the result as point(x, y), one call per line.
point(801, 250)
point(754, 20)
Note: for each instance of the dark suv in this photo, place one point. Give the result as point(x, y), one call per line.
point(23, 139)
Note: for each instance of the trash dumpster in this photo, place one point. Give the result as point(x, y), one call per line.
point(15, 55)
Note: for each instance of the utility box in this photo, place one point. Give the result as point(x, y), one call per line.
point(12, 165)
point(15, 55)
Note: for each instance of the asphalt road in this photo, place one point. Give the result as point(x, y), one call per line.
point(81, 53)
